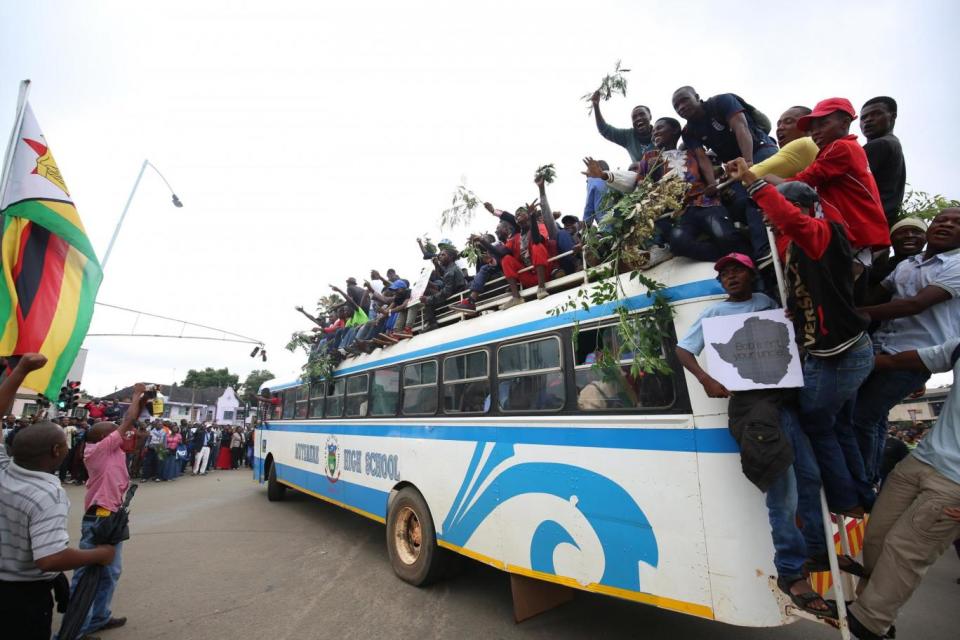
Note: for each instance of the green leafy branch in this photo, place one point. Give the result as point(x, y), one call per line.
point(319, 365)
point(612, 83)
point(923, 205)
point(462, 207)
point(547, 173)
point(621, 240)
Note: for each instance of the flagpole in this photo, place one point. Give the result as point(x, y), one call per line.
point(12, 145)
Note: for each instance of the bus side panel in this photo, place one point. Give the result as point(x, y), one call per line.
point(738, 542)
point(617, 521)
point(736, 527)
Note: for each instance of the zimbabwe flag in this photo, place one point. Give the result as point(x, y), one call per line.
point(50, 274)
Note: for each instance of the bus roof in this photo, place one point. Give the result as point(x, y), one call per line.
point(691, 280)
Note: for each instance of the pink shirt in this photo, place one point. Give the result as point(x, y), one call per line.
point(107, 467)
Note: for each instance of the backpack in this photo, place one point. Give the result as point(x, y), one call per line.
point(759, 118)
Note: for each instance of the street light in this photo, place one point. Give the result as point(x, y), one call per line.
point(116, 231)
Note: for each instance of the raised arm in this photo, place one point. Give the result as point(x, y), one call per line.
point(133, 411)
point(312, 319)
point(8, 388)
point(611, 133)
point(344, 295)
point(548, 220)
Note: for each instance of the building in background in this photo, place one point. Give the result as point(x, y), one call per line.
point(924, 409)
point(206, 404)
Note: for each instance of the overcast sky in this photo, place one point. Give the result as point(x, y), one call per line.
point(312, 141)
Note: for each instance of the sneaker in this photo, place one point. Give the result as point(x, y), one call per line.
point(557, 273)
point(542, 293)
point(156, 479)
point(512, 302)
point(465, 306)
point(657, 254)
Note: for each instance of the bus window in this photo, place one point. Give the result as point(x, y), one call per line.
point(335, 398)
point(289, 402)
point(530, 378)
point(466, 383)
point(610, 386)
point(303, 396)
point(357, 396)
point(420, 388)
point(385, 392)
point(316, 400)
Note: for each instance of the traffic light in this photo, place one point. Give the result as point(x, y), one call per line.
point(69, 398)
point(63, 398)
point(73, 394)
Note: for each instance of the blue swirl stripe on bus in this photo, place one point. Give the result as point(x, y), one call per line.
point(623, 530)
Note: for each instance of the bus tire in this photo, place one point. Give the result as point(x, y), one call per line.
point(412, 541)
point(275, 490)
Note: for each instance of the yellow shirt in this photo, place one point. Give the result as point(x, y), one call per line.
point(793, 157)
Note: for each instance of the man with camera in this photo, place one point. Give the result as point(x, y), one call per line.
point(106, 460)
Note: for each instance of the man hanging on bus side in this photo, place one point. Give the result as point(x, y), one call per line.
point(767, 462)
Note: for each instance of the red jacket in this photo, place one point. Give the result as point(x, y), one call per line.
point(95, 411)
point(848, 192)
point(811, 234)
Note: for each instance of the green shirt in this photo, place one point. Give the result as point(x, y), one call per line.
point(629, 139)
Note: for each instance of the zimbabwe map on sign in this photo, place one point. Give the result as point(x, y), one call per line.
point(759, 350)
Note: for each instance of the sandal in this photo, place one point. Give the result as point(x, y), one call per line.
point(804, 601)
point(845, 563)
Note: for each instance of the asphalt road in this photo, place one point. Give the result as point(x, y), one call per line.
point(210, 558)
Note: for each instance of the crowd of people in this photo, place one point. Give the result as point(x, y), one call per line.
point(874, 296)
point(102, 451)
point(860, 188)
point(158, 450)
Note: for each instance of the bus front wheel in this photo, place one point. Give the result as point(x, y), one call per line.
point(275, 490)
point(411, 539)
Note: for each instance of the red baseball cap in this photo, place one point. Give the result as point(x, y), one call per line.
point(730, 258)
point(825, 108)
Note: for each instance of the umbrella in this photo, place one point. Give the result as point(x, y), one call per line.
point(111, 530)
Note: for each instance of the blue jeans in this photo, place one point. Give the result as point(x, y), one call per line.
point(100, 611)
point(807, 474)
point(743, 207)
point(348, 337)
point(790, 551)
point(715, 223)
point(485, 273)
point(826, 406)
point(880, 393)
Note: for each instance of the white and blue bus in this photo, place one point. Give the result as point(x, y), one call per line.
point(496, 439)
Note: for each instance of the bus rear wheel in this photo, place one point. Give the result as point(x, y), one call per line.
point(275, 490)
point(411, 540)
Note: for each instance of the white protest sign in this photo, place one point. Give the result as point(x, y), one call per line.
point(420, 286)
point(752, 351)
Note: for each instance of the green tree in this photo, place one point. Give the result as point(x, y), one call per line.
point(210, 377)
point(255, 379)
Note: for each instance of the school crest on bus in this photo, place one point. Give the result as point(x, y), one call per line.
point(332, 467)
